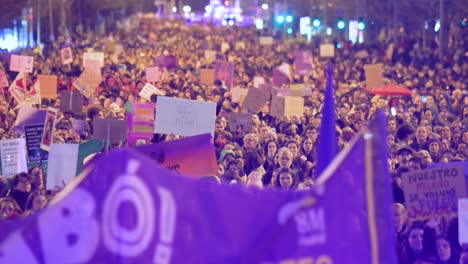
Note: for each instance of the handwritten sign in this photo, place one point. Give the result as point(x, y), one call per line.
point(66, 55)
point(48, 84)
point(374, 75)
point(21, 63)
point(327, 50)
point(33, 134)
point(87, 83)
point(13, 156)
point(153, 74)
point(140, 122)
point(185, 117)
point(434, 191)
point(149, 90)
point(99, 56)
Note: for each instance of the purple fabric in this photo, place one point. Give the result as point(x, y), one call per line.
point(224, 71)
point(130, 210)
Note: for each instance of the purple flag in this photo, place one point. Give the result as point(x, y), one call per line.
point(169, 62)
point(224, 71)
point(303, 63)
point(281, 75)
point(127, 209)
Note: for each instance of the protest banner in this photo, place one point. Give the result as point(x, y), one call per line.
point(255, 100)
point(210, 56)
point(97, 56)
point(33, 135)
point(224, 71)
point(87, 83)
point(18, 88)
point(110, 130)
point(374, 75)
point(20, 63)
point(287, 106)
point(433, 192)
point(149, 90)
point(71, 102)
point(66, 55)
point(48, 84)
point(301, 227)
point(327, 50)
point(153, 74)
point(49, 128)
point(3, 79)
point(265, 41)
point(140, 122)
point(28, 115)
point(463, 221)
point(303, 63)
point(207, 76)
point(184, 117)
point(13, 156)
point(240, 121)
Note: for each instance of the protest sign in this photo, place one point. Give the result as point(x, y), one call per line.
point(207, 76)
point(255, 100)
point(67, 55)
point(258, 81)
point(110, 130)
point(18, 88)
point(93, 66)
point(3, 79)
point(48, 84)
point(184, 117)
point(224, 71)
point(265, 41)
point(225, 47)
point(71, 102)
point(169, 62)
point(432, 192)
point(281, 75)
point(49, 128)
point(287, 106)
point(238, 94)
point(78, 126)
point(374, 75)
point(28, 115)
point(210, 56)
point(21, 63)
point(149, 90)
point(240, 45)
point(153, 74)
point(33, 135)
point(174, 217)
point(327, 50)
point(33, 96)
point(463, 221)
point(240, 121)
point(97, 56)
point(140, 122)
point(87, 83)
point(303, 63)
point(13, 156)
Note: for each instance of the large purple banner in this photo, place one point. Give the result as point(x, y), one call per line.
point(127, 209)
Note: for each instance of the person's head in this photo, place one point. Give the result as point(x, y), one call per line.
point(312, 133)
point(391, 140)
point(417, 163)
point(404, 153)
point(400, 217)
point(426, 156)
point(434, 147)
point(415, 238)
point(307, 145)
point(220, 169)
point(286, 179)
point(285, 157)
point(293, 147)
point(219, 126)
point(235, 168)
point(36, 201)
point(421, 134)
point(444, 252)
point(9, 208)
point(446, 133)
point(271, 148)
point(22, 182)
point(250, 142)
point(392, 126)
point(37, 178)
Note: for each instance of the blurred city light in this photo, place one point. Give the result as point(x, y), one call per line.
point(341, 24)
point(187, 9)
point(265, 6)
point(280, 19)
point(290, 30)
point(174, 9)
point(316, 23)
point(361, 25)
point(437, 26)
point(289, 18)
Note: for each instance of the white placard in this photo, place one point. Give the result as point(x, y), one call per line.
point(463, 221)
point(327, 50)
point(13, 154)
point(149, 90)
point(99, 56)
point(61, 169)
point(184, 117)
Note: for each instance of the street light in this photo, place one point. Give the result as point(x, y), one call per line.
point(265, 6)
point(316, 23)
point(280, 19)
point(341, 24)
point(289, 18)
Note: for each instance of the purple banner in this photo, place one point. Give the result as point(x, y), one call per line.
point(224, 71)
point(303, 63)
point(127, 209)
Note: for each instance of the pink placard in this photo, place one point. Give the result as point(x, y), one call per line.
point(93, 65)
point(21, 63)
point(153, 74)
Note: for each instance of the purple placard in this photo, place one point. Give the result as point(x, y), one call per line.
point(303, 63)
point(224, 71)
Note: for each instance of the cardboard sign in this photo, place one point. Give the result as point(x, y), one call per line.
point(238, 94)
point(71, 102)
point(433, 192)
point(185, 117)
point(153, 74)
point(240, 121)
point(210, 56)
point(140, 122)
point(87, 83)
point(62, 165)
point(258, 81)
point(99, 56)
point(207, 76)
point(49, 128)
point(3, 79)
point(255, 100)
point(374, 75)
point(149, 90)
point(33, 134)
point(21, 63)
point(327, 50)
point(18, 88)
point(265, 41)
point(13, 154)
point(67, 55)
point(48, 84)
point(112, 130)
point(463, 221)
point(93, 66)
point(287, 106)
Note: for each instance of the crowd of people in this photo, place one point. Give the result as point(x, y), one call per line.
point(430, 126)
